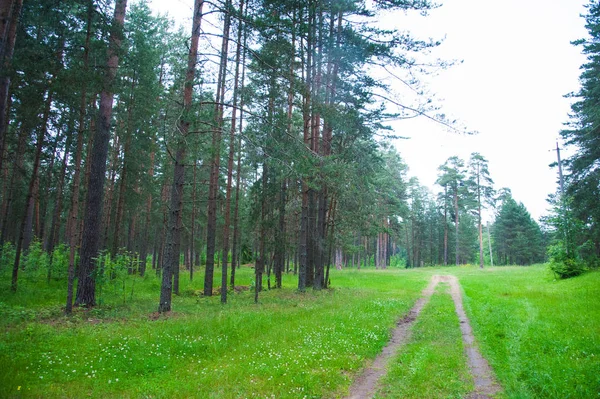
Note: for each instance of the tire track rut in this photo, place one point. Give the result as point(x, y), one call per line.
point(365, 385)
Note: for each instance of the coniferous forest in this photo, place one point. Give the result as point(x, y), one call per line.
point(264, 143)
point(251, 154)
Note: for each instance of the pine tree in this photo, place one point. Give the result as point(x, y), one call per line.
point(481, 185)
point(86, 285)
point(583, 134)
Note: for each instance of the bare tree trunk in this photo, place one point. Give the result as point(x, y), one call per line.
point(211, 225)
point(262, 257)
point(479, 220)
point(86, 284)
point(235, 255)
point(73, 222)
point(193, 222)
point(88, 163)
point(456, 223)
point(146, 231)
point(171, 260)
point(445, 226)
point(124, 173)
point(55, 223)
point(110, 192)
point(121, 200)
point(227, 215)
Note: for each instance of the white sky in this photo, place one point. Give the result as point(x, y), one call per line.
point(517, 66)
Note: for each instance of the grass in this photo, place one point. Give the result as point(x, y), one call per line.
point(432, 365)
point(540, 336)
point(290, 345)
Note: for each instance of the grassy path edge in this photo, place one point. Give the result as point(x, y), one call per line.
point(485, 384)
point(483, 379)
point(365, 385)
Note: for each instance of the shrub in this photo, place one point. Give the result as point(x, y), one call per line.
point(562, 263)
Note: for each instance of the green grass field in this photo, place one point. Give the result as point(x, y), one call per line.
point(540, 336)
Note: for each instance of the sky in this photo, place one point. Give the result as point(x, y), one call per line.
point(516, 63)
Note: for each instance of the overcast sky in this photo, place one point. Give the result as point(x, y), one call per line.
point(517, 66)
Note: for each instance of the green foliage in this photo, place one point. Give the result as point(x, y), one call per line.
point(570, 253)
point(36, 261)
point(113, 274)
point(60, 261)
point(517, 238)
point(583, 135)
point(562, 263)
point(7, 257)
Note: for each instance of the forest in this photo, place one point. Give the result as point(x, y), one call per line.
point(248, 154)
point(124, 138)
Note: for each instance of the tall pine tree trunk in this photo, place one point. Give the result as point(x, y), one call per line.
point(171, 257)
point(86, 283)
point(213, 189)
point(55, 222)
point(146, 231)
point(445, 225)
point(456, 224)
point(73, 218)
point(226, 226)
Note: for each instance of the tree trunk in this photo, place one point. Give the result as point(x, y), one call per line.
point(445, 225)
point(171, 259)
point(479, 220)
point(456, 223)
point(110, 191)
point(124, 173)
point(211, 226)
point(121, 199)
point(73, 218)
point(10, 11)
point(227, 216)
point(146, 232)
point(86, 284)
point(193, 222)
point(260, 264)
point(22, 232)
point(55, 223)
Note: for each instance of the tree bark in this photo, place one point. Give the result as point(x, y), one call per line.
point(86, 284)
point(73, 218)
point(55, 223)
point(10, 11)
point(171, 258)
point(227, 216)
point(211, 225)
point(456, 223)
point(146, 232)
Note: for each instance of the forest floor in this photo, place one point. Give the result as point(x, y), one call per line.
point(539, 335)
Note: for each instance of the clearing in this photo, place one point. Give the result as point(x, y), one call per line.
point(528, 326)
